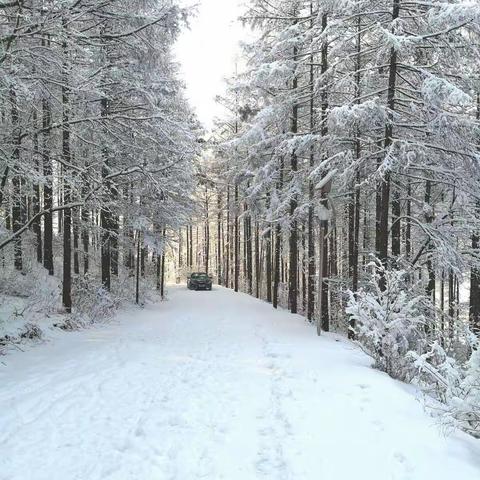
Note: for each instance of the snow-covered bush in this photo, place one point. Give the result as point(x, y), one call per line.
point(31, 331)
point(91, 303)
point(27, 300)
point(34, 284)
point(18, 322)
point(389, 322)
point(455, 384)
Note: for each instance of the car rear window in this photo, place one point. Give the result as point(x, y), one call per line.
point(200, 276)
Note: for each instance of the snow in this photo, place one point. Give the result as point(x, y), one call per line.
point(215, 385)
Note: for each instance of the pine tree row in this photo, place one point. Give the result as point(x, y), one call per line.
point(352, 139)
point(97, 142)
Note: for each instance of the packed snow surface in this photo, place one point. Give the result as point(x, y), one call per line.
point(215, 385)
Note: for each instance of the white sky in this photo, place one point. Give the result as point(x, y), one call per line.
point(207, 53)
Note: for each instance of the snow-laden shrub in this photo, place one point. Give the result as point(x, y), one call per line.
point(455, 384)
point(31, 331)
point(31, 280)
point(41, 291)
point(389, 321)
point(91, 303)
point(391, 325)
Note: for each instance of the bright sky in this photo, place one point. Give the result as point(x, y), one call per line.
point(207, 53)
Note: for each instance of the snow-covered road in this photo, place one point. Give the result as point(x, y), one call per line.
point(214, 385)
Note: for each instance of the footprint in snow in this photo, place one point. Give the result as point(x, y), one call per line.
point(278, 355)
point(379, 425)
point(363, 386)
point(402, 469)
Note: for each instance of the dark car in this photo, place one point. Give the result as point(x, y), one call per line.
point(199, 281)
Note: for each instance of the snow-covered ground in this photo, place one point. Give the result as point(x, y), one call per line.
point(214, 385)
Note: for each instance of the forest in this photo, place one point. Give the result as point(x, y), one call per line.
point(342, 183)
point(97, 143)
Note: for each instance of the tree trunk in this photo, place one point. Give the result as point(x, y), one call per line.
point(396, 223)
point(17, 201)
point(475, 270)
point(321, 275)
point(384, 201)
point(430, 290)
point(475, 285)
point(237, 243)
point(36, 225)
point(219, 238)
point(311, 189)
point(303, 269)
point(67, 158)
point(162, 276)
point(257, 261)
point(198, 252)
point(76, 260)
point(85, 238)
point(137, 281)
point(60, 199)
point(354, 223)
point(47, 188)
point(105, 222)
point(358, 151)
point(229, 240)
point(114, 245)
point(191, 247)
point(143, 255)
point(268, 264)
point(180, 253)
point(188, 246)
point(249, 253)
point(442, 308)
point(408, 228)
point(451, 304)
point(324, 313)
point(277, 262)
point(293, 238)
point(325, 291)
point(158, 271)
point(207, 233)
